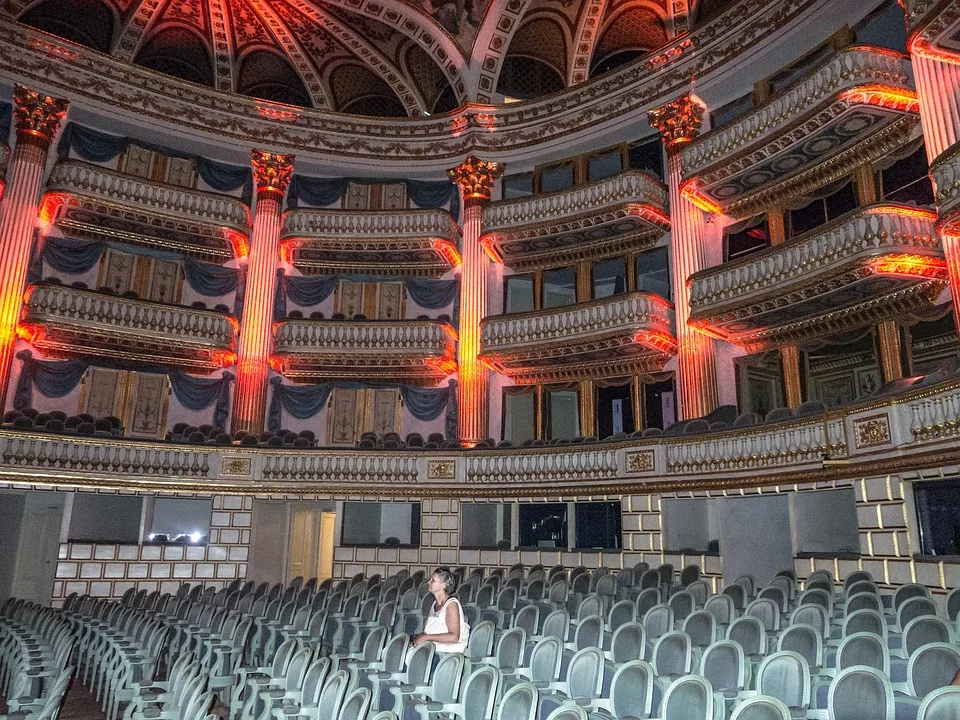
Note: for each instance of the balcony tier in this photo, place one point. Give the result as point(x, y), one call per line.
point(65, 321)
point(620, 334)
point(92, 203)
point(622, 213)
point(855, 108)
point(381, 242)
point(934, 27)
point(419, 352)
point(867, 266)
point(945, 171)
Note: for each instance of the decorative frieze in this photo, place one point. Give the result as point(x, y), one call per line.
point(635, 328)
point(873, 255)
point(64, 319)
point(622, 213)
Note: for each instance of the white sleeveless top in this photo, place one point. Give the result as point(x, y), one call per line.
point(437, 623)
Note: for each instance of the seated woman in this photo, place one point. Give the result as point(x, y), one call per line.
point(446, 626)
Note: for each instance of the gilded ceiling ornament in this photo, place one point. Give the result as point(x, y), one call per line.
point(271, 172)
point(678, 121)
point(36, 116)
point(475, 177)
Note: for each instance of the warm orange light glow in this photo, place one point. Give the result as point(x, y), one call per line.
point(30, 333)
point(444, 366)
point(49, 206)
point(910, 265)
point(489, 245)
point(883, 96)
point(239, 242)
point(278, 114)
point(691, 191)
point(664, 342)
point(914, 212)
point(448, 251)
point(224, 358)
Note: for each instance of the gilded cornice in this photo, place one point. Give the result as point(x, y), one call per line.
point(905, 433)
point(78, 177)
point(67, 320)
point(945, 171)
point(423, 350)
point(933, 26)
point(855, 108)
point(90, 77)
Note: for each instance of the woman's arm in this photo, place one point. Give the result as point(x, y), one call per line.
point(452, 619)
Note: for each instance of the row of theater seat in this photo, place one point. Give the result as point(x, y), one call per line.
point(210, 435)
point(582, 639)
point(58, 422)
point(134, 295)
point(317, 315)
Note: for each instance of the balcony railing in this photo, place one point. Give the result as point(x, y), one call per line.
point(410, 350)
point(625, 212)
point(853, 109)
point(826, 280)
point(946, 178)
point(410, 242)
point(80, 322)
point(144, 211)
point(630, 330)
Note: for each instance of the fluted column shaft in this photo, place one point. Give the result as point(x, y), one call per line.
point(272, 174)
point(37, 119)
point(695, 352)
point(938, 86)
point(475, 178)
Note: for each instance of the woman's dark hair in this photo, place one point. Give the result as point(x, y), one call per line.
point(448, 579)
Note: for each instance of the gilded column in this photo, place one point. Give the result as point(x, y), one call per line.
point(37, 118)
point(271, 174)
point(679, 122)
point(891, 362)
point(789, 354)
point(938, 87)
point(475, 178)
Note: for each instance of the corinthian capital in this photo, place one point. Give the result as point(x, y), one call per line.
point(475, 177)
point(678, 121)
point(271, 172)
point(36, 116)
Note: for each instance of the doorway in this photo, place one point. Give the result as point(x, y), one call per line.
point(310, 544)
point(36, 564)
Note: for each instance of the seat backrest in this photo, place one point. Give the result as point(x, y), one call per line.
point(568, 712)
point(865, 621)
point(813, 615)
point(545, 659)
point(738, 594)
point(673, 654)
point(683, 603)
point(925, 629)
point(689, 698)
point(631, 690)
point(528, 618)
point(650, 579)
point(297, 668)
point(785, 675)
point(777, 595)
point(700, 589)
point(420, 663)
point(724, 665)
point(518, 703)
point(647, 599)
point(907, 591)
point(805, 640)
point(722, 608)
point(940, 704)
point(914, 607)
point(761, 707)
point(621, 612)
point(863, 649)
point(658, 621)
point(749, 632)
point(861, 692)
point(862, 586)
point(817, 596)
point(314, 680)
point(628, 643)
point(701, 626)
point(356, 706)
point(787, 583)
point(953, 604)
point(480, 643)
point(856, 576)
point(480, 693)
point(332, 695)
point(862, 601)
point(510, 647)
point(766, 611)
point(589, 632)
point(557, 625)
point(585, 673)
point(931, 667)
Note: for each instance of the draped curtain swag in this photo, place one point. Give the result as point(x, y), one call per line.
point(58, 378)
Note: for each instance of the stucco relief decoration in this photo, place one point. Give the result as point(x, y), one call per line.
point(679, 121)
point(441, 470)
point(36, 116)
point(271, 172)
point(236, 466)
point(476, 177)
point(872, 431)
point(641, 461)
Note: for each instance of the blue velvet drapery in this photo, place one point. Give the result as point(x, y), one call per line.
point(96, 146)
point(57, 378)
point(73, 257)
point(321, 192)
point(306, 401)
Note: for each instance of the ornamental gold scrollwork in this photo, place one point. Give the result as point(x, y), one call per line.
point(677, 122)
point(476, 177)
point(271, 172)
point(37, 116)
point(872, 431)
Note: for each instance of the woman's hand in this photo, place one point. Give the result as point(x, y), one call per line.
point(417, 639)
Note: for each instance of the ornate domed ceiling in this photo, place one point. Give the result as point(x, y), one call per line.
point(386, 58)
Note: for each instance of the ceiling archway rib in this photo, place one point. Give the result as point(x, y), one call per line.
point(406, 92)
point(502, 20)
point(584, 40)
point(133, 33)
point(222, 45)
